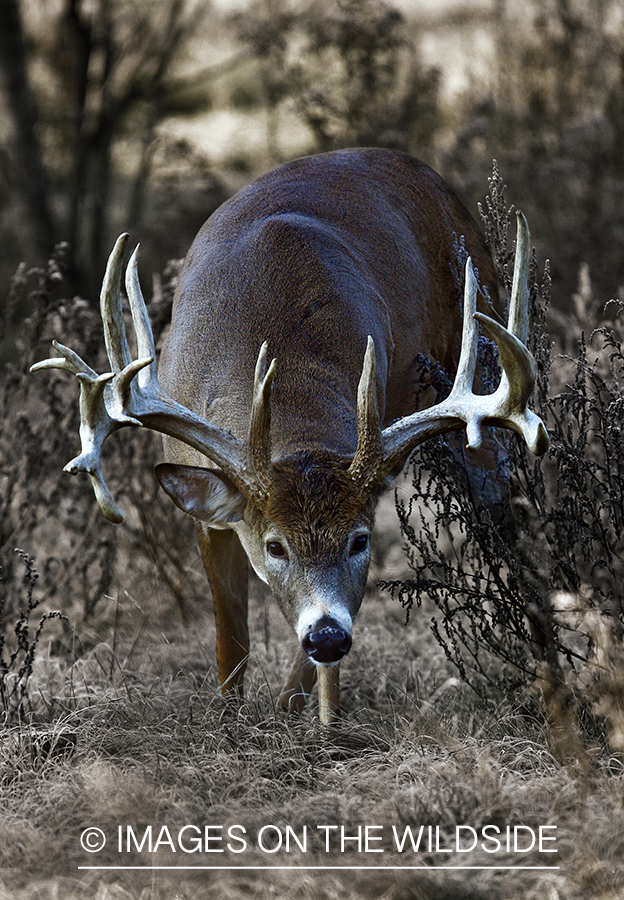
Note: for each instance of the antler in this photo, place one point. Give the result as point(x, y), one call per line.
point(506, 407)
point(131, 395)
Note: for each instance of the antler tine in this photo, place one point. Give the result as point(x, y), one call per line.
point(518, 319)
point(141, 321)
point(124, 367)
point(368, 457)
point(110, 309)
point(464, 378)
point(70, 362)
point(95, 426)
point(461, 396)
point(95, 423)
point(259, 445)
point(517, 363)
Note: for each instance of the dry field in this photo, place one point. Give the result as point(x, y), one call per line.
point(133, 739)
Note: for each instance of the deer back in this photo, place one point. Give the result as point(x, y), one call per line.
point(313, 257)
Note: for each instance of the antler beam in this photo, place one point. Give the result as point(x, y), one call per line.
point(506, 407)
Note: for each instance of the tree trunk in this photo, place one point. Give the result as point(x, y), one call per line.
point(29, 173)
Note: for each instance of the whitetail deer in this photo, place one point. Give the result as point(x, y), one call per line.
point(342, 266)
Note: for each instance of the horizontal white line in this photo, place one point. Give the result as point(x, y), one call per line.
point(319, 868)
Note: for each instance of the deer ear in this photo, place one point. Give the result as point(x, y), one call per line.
point(202, 493)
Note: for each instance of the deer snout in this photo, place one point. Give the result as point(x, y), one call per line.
point(327, 641)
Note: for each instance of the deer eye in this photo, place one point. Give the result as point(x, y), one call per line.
point(276, 550)
point(359, 545)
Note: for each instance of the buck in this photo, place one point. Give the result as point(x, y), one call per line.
point(342, 267)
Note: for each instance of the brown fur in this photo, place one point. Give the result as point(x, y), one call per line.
point(314, 500)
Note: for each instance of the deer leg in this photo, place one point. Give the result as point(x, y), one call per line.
point(299, 683)
point(225, 563)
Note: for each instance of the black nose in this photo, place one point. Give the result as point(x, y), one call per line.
point(327, 642)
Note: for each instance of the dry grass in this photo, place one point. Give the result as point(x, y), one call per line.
point(149, 741)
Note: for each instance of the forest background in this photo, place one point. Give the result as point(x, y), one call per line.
point(143, 117)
